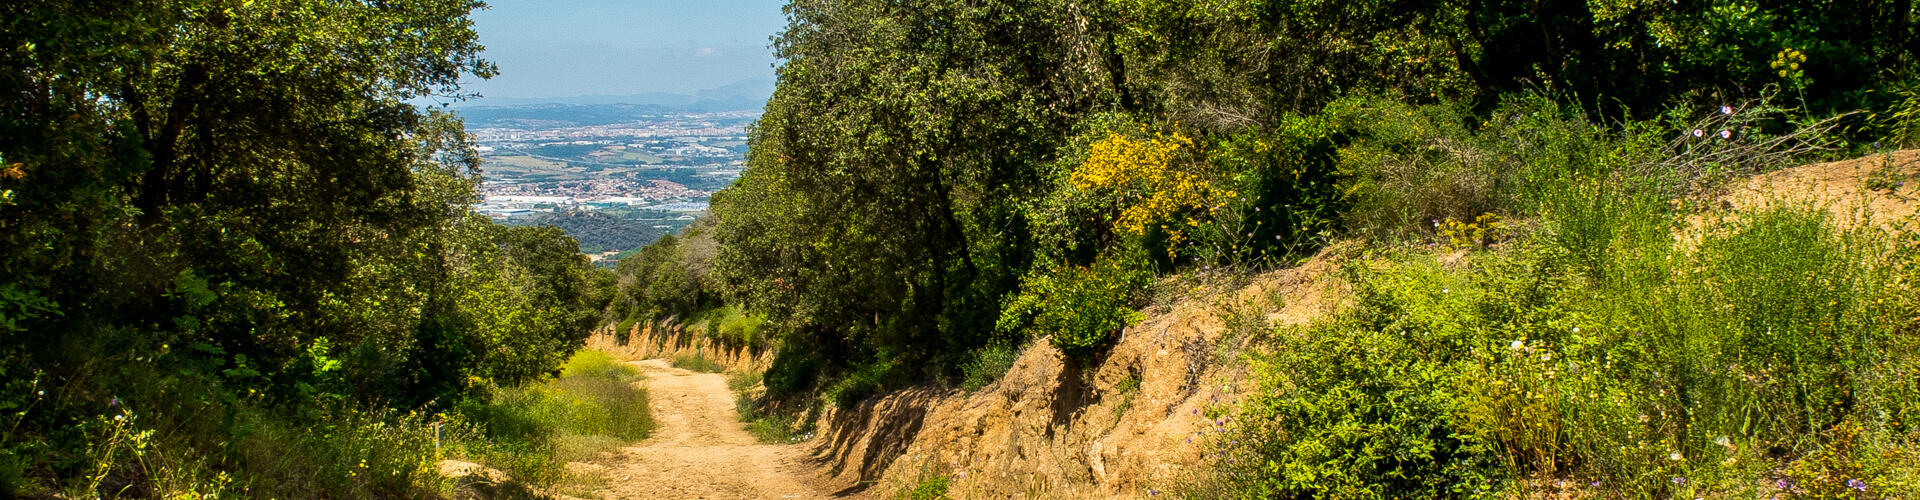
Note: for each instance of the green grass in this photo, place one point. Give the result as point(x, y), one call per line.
point(1588, 343)
point(988, 365)
point(698, 363)
point(767, 427)
point(1601, 350)
point(733, 327)
point(932, 487)
point(532, 431)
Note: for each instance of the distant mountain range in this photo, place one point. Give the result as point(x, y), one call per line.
point(742, 95)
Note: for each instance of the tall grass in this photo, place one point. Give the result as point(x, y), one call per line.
point(766, 426)
point(698, 363)
point(1774, 354)
point(531, 432)
point(1603, 350)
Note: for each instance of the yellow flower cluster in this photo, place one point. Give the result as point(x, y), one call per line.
point(1787, 62)
point(1484, 230)
point(1143, 175)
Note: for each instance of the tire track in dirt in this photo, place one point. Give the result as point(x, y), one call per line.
point(701, 450)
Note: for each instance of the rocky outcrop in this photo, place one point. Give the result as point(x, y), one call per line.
point(669, 339)
point(1128, 423)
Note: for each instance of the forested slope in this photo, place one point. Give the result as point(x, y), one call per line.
point(935, 185)
point(238, 262)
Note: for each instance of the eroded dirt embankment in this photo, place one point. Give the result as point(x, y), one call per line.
point(667, 340)
point(1121, 428)
point(1117, 428)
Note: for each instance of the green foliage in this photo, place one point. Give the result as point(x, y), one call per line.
point(734, 328)
point(532, 431)
point(201, 227)
point(987, 365)
point(933, 487)
point(698, 363)
point(624, 329)
point(668, 278)
point(1345, 412)
point(1288, 194)
point(1630, 359)
point(768, 426)
point(1899, 123)
point(1081, 308)
point(916, 167)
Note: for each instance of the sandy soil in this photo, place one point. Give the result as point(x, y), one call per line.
point(700, 450)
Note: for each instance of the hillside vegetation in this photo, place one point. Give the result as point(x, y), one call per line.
point(936, 185)
point(235, 261)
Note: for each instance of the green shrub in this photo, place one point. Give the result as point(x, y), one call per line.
point(767, 427)
point(1632, 360)
point(1288, 199)
point(1081, 307)
point(698, 363)
point(734, 328)
point(624, 330)
point(863, 382)
point(932, 487)
point(597, 364)
point(1358, 409)
point(986, 365)
point(532, 431)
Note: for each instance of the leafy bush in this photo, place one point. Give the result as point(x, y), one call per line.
point(865, 381)
point(770, 427)
point(532, 431)
point(624, 330)
point(1361, 408)
point(932, 487)
point(1286, 193)
point(1631, 360)
point(734, 328)
point(987, 364)
point(1079, 307)
point(698, 363)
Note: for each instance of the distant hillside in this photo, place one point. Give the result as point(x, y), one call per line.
point(742, 95)
point(600, 231)
point(551, 115)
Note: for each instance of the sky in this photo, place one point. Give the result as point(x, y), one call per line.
point(564, 48)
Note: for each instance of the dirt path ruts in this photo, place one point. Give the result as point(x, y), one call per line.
point(700, 449)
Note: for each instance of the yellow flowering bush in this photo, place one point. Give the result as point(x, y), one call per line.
point(1144, 178)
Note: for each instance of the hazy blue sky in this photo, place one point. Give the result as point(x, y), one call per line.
point(560, 48)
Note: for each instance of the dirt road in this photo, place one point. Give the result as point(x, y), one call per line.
point(701, 450)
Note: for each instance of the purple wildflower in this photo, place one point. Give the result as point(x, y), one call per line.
point(1726, 134)
point(1726, 110)
point(1699, 133)
point(114, 402)
point(1857, 484)
point(1679, 480)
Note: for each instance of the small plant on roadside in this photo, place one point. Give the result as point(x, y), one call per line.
point(1887, 177)
point(931, 487)
point(698, 363)
point(1080, 307)
point(533, 431)
point(987, 364)
point(1839, 469)
point(1483, 231)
